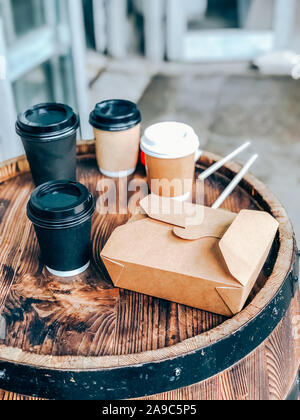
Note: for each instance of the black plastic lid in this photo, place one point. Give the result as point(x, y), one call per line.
point(49, 120)
point(60, 204)
point(115, 115)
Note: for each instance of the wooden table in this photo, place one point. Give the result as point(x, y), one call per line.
point(82, 338)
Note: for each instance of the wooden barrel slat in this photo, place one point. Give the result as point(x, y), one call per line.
point(87, 325)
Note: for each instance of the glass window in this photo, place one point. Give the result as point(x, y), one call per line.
point(38, 50)
point(212, 14)
point(27, 15)
point(21, 17)
point(226, 14)
point(33, 88)
point(50, 82)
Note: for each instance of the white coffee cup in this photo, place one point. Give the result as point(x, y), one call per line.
point(171, 149)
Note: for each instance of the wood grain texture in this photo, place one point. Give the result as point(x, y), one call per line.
point(87, 323)
point(266, 374)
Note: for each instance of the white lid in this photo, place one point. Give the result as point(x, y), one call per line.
point(169, 140)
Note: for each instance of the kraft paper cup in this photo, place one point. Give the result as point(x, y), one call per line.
point(117, 132)
point(48, 132)
point(61, 212)
point(171, 150)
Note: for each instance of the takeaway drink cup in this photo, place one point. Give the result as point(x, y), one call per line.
point(117, 131)
point(48, 132)
point(61, 212)
point(171, 149)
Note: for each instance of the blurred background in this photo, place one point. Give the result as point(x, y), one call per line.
point(229, 68)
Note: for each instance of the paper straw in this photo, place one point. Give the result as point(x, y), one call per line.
point(222, 162)
point(234, 183)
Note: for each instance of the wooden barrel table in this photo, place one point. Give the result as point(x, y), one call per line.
point(84, 339)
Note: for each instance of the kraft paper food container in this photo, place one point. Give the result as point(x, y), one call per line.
point(210, 260)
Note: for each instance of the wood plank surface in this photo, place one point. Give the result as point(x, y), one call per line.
point(266, 374)
point(87, 317)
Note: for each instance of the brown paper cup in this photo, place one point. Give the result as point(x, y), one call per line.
point(118, 151)
point(171, 177)
point(171, 149)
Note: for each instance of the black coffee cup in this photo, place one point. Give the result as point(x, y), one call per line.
point(61, 212)
point(48, 132)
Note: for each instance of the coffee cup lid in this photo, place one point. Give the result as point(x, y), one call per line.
point(115, 115)
point(60, 204)
point(169, 140)
point(47, 120)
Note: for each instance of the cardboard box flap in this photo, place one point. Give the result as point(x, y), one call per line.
point(232, 297)
point(215, 224)
point(166, 210)
point(247, 242)
point(192, 221)
point(114, 268)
